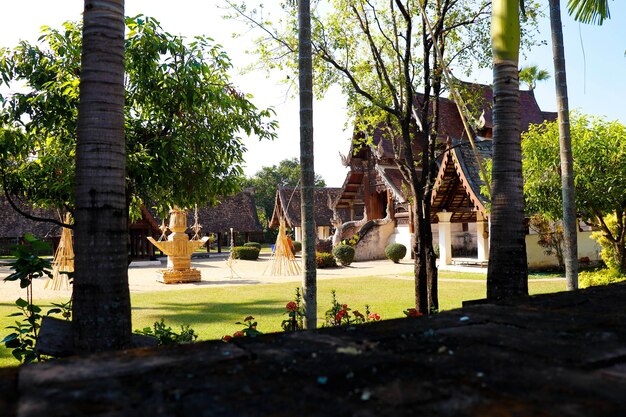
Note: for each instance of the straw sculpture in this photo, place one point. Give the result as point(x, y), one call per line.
point(284, 260)
point(63, 260)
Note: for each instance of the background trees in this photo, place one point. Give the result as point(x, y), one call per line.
point(599, 154)
point(184, 118)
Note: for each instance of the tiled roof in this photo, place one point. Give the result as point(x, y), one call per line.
point(288, 202)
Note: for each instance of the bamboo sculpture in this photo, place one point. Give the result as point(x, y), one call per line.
point(63, 260)
point(284, 260)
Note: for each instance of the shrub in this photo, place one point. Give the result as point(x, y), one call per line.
point(297, 246)
point(604, 276)
point(166, 336)
point(324, 260)
point(247, 253)
point(395, 252)
point(324, 246)
point(253, 245)
point(344, 254)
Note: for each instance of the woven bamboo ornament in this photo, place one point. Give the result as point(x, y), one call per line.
point(63, 260)
point(283, 260)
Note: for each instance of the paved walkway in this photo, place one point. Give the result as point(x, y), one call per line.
point(216, 272)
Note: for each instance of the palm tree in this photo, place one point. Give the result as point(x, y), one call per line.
point(101, 300)
point(309, 278)
point(507, 274)
point(585, 11)
point(530, 75)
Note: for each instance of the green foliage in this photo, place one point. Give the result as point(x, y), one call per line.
point(395, 252)
point(297, 246)
point(612, 252)
point(247, 253)
point(167, 336)
point(599, 154)
point(344, 254)
point(324, 260)
point(27, 266)
point(253, 245)
point(604, 276)
point(267, 180)
point(184, 120)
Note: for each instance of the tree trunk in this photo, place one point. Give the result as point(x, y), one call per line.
point(507, 274)
point(101, 307)
point(309, 278)
point(570, 227)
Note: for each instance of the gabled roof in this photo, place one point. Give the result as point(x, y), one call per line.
point(458, 184)
point(287, 204)
point(15, 225)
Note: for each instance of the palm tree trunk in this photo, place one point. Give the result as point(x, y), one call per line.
point(309, 278)
point(570, 228)
point(507, 275)
point(101, 307)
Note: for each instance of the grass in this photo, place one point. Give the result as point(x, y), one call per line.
point(212, 312)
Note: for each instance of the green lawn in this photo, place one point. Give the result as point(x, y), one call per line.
point(212, 312)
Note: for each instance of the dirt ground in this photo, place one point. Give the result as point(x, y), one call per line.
point(215, 271)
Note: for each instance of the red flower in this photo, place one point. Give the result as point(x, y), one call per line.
point(227, 338)
point(239, 334)
point(340, 315)
point(344, 306)
point(291, 306)
point(374, 316)
point(412, 312)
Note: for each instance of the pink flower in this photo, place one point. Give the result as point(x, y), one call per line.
point(291, 306)
point(374, 316)
point(227, 338)
point(239, 334)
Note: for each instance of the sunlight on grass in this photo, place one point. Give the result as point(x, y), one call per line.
point(212, 312)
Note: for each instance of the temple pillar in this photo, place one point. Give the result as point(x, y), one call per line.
point(445, 238)
point(482, 237)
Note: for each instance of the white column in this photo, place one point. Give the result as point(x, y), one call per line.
point(298, 233)
point(445, 238)
point(482, 237)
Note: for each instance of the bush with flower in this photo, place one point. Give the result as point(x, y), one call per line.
point(249, 330)
point(295, 313)
point(341, 315)
point(412, 312)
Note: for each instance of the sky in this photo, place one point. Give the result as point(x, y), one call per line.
point(595, 56)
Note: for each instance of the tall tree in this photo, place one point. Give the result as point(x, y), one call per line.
point(101, 298)
point(185, 121)
point(507, 274)
point(305, 71)
point(530, 75)
point(570, 220)
point(585, 11)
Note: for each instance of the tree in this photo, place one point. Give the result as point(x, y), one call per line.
point(101, 298)
point(305, 71)
point(584, 10)
point(382, 54)
point(268, 179)
point(599, 154)
point(184, 119)
point(530, 75)
point(507, 273)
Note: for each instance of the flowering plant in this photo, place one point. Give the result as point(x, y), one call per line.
point(412, 312)
point(341, 314)
point(249, 330)
point(295, 313)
